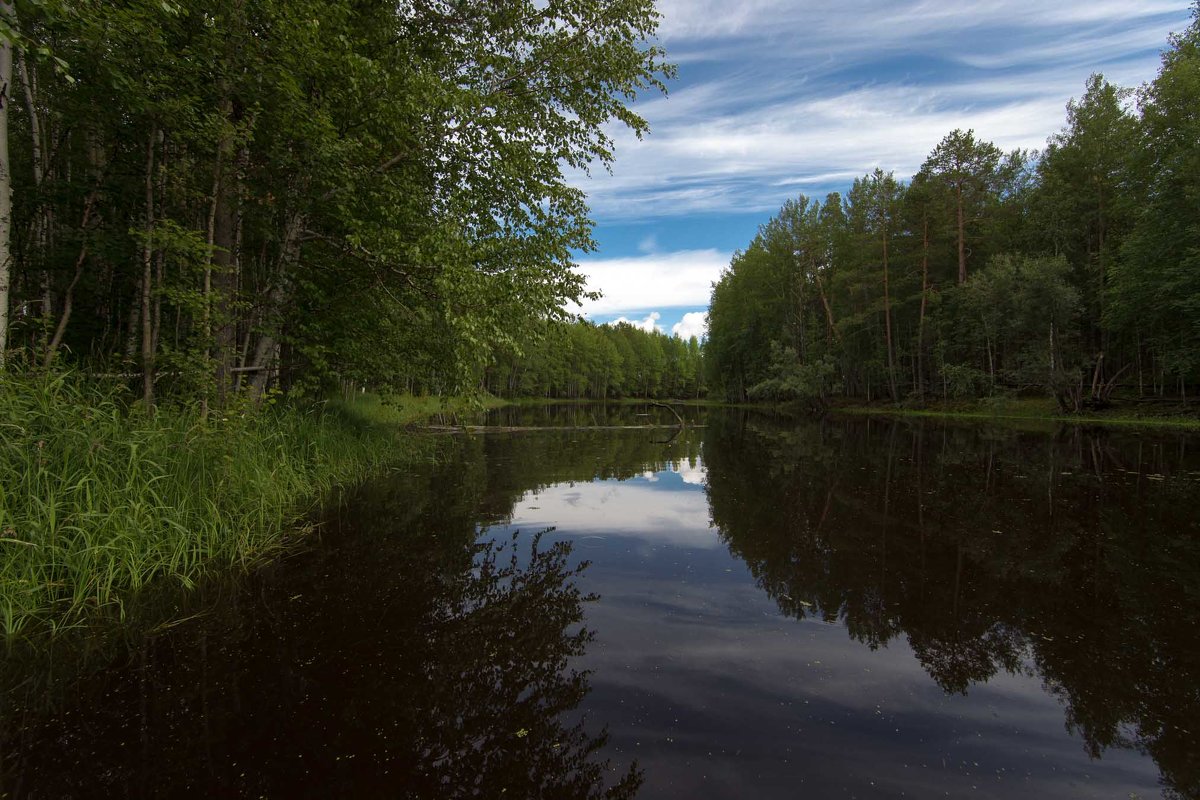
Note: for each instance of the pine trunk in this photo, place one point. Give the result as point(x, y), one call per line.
point(924, 299)
point(887, 319)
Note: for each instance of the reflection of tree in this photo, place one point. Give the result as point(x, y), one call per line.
point(521, 462)
point(447, 676)
point(1076, 556)
point(591, 414)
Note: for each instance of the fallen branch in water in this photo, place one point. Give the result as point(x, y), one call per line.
point(682, 424)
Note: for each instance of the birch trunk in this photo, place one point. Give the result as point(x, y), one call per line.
point(9, 15)
point(41, 222)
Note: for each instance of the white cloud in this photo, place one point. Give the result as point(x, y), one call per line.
point(860, 25)
point(649, 324)
point(781, 96)
point(648, 244)
point(638, 284)
point(694, 323)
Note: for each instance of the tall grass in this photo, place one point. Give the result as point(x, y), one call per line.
point(96, 500)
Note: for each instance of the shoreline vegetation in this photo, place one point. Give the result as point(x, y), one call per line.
point(1013, 410)
point(99, 499)
point(1157, 414)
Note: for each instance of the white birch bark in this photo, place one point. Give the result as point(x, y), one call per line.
point(9, 15)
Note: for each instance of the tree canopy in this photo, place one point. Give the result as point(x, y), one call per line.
point(216, 195)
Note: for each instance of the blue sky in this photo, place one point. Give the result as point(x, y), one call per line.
point(777, 98)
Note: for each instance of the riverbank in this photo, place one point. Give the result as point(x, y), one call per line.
point(1033, 409)
point(98, 500)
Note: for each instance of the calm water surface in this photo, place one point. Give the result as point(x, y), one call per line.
point(757, 608)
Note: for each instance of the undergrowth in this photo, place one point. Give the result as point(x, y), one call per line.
point(98, 499)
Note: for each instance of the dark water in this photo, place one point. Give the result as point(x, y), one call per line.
point(771, 609)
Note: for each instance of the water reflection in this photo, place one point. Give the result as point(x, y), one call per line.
point(1074, 558)
point(399, 658)
point(573, 415)
point(847, 608)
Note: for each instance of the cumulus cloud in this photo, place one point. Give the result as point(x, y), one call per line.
point(642, 283)
point(694, 323)
point(649, 324)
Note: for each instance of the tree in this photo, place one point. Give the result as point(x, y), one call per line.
point(969, 171)
point(8, 31)
point(1083, 200)
point(876, 201)
point(1155, 285)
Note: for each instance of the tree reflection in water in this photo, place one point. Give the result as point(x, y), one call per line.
point(1075, 558)
point(448, 675)
point(399, 657)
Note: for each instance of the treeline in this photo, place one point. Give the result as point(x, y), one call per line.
point(209, 197)
point(1074, 271)
point(582, 360)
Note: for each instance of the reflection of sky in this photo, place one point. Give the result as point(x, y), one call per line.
point(700, 678)
point(658, 508)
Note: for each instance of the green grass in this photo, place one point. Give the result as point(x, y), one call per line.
point(1033, 409)
point(98, 501)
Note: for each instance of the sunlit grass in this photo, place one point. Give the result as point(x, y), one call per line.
point(97, 501)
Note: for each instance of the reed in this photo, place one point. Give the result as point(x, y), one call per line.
point(98, 500)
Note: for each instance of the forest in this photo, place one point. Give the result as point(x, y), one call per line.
point(1073, 272)
point(212, 198)
point(582, 360)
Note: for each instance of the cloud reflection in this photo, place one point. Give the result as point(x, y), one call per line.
point(651, 508)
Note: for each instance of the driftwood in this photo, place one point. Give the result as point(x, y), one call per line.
point(682, 424)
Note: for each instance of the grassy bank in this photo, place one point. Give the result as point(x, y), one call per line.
point(97, 500)
point(1166, 415)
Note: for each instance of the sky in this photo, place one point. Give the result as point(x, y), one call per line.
point(777, 98)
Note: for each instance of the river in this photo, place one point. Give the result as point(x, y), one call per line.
point(753, 607)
